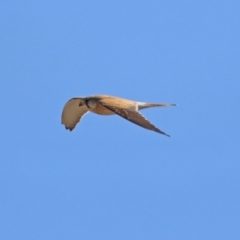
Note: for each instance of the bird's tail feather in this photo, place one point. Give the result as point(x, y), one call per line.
point(142, 105)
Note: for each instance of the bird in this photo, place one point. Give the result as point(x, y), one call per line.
point(77, 107)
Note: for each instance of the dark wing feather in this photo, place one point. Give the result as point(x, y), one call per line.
point(134, 117)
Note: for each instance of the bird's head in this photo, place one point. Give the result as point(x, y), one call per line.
point(81, 102)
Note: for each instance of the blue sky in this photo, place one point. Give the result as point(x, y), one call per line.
point(110, 179)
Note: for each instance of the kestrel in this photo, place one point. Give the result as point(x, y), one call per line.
point(76, 107)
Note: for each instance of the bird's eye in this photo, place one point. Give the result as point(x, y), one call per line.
point(80, 103)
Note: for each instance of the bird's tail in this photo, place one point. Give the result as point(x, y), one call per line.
point(142, 105)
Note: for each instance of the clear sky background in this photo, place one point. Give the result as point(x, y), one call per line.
point(110, 179)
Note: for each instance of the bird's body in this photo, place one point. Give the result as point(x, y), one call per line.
point(93, 106)
point(75, 108)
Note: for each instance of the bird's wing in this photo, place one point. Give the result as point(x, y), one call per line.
point(134, 117)
point(72, 113)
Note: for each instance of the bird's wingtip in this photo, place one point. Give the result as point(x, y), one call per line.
point(167, 135)
point(161, 132)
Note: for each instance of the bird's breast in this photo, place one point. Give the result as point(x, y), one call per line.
point(97, 108)
point(101, 110)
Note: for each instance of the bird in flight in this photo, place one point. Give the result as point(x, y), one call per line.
point(76, 107)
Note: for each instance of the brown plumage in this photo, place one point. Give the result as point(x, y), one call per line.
point(76, 107)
